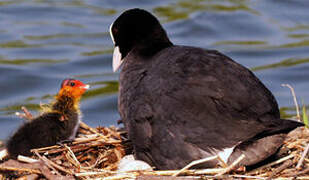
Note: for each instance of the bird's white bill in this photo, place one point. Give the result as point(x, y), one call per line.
point(116, 59)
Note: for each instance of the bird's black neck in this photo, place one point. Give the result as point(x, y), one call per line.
point(151, 48)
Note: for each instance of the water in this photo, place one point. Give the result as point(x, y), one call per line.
point(43, 42)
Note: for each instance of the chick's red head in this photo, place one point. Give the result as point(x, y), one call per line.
point(73, 88)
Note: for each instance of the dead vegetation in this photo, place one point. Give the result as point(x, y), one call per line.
point(96, 152)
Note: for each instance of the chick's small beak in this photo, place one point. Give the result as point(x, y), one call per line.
point(87, 86)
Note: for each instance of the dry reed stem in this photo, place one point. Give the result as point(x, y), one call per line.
point(71, 160)
point(294, 98)
point(230, 167)
point(27, 177)
point(303, 177)
point(26, 159)
point(76, 142)
point(120, 176)
point(186, 172)
point(26, 115)
point(46, 162)
point(85, 126)
point(60, 168)
point(283, 166)
point(76, 148)
point(32, 171)
point(222, 163)
point(114, 133)
point(196, 162)
point(247, 177)
point(73, 156)
point(300, 162)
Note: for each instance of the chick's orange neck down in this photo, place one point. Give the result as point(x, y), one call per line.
point(68, 98)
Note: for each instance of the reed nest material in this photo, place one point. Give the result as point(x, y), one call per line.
point(95, 154)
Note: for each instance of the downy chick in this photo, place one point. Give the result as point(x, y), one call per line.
point(59, 123)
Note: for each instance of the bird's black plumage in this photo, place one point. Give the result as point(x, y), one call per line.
point(181, 103)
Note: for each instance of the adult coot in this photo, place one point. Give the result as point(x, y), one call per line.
point(181, 103)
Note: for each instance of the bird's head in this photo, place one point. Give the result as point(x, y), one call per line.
point(136, 29)
point(73, 88)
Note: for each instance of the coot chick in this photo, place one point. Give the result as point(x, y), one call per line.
point(60, 123)
point(181, 103)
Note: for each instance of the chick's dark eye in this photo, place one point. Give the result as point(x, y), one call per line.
point(72, 84)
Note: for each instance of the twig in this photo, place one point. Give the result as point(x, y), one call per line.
point(114, 133)
point(20, 170)
point(27, 177)
point(43, 149)
point(193, 163)
point(229, 168)
point(76, 141)
point(83, 174)
point(285, 165)
point(26, 115)
point(46, 162)
point(294, 97)
point(50, 175)
point(85, 126)
point(303, 177)
point(186, 172)
point(298, 173)
point(247, 177)
point(223, 163)
point(26, 159)
point(85, 140)
point(76, 148)
point(73, 156)
point(58, 167)
point(300, 162)
point(120, 176)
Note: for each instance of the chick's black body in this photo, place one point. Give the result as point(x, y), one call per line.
point(43, 131)
point(48, 129)
point(182, 103)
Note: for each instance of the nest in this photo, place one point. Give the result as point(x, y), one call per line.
point(95, 154)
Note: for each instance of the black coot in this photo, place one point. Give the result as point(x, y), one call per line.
point(181, 103)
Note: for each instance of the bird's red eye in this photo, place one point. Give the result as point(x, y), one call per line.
point(115, 30)
point(72, 84)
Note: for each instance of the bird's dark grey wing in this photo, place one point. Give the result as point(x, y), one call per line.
point(207, 97)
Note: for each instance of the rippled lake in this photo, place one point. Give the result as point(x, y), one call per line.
point(43, 42)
